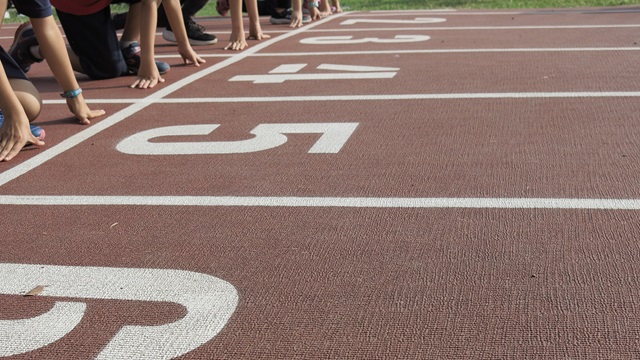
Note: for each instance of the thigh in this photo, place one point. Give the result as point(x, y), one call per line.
point(93, 39)
point(25, 91)
point(28, 96)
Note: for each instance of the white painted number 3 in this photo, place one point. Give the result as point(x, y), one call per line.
point(267, 136)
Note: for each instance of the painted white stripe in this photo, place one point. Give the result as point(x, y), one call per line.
point(121, 115)
point(424, 51)
point(277, 79)
point(390, 97)
point(25, 335)
point(398, 12)
point(446, 51)
point(392, 21)
point(288, 69)
point(341, 202)
point(172, 56)
point(340, 67)
point(524, 27)
point(385, 13)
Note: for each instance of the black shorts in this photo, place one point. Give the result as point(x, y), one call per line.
point(33, 8)
point(269, 7)
point(93, 38)
point(12, 69)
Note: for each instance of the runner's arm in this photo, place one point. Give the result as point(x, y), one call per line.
point(174, 15)
point(53, 49)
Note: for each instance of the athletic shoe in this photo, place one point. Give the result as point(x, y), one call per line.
point(20, 50)
point(305, 18)
point(131, 55)
point(37, 131)
point(195, 33)
point(284, 18)
point(222, 7)
point(279, 20)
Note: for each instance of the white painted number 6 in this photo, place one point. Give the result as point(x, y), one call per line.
point(267, 136)
point(208, 301)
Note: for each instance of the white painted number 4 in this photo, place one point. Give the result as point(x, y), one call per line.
point(349, 40)
point(267, 136)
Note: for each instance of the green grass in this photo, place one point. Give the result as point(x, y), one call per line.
point(364, 5)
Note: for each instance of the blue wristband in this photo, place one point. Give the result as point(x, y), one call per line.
point(71, 94)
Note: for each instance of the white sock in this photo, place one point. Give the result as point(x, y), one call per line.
point(35, 52)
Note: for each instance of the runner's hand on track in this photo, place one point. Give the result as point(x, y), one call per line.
point(147, 79)
point(258, 36)
point(237, 41)
point(81, 110)
point(315, 14)
point(14, 135)
point(296, 19)
point(189, 56)
point(237, 45)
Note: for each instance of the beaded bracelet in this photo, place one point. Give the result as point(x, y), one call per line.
point(71, 94)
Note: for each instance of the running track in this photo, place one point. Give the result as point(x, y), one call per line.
point(403, 185)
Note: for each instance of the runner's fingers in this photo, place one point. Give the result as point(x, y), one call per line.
point(96, 113)
point(236, 45)
point(259, 37)
point(4, 149)
point(143, 84)
point(33, 141)
point(12, 153)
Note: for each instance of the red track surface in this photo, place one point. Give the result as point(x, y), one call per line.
point(477, 196)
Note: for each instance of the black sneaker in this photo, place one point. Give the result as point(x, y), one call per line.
point(195, 33)
point(131, 55)
point(20, 50)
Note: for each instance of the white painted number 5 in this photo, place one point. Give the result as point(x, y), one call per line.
point(267, 136)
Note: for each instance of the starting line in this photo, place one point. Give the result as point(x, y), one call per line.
point(384, 97)
point(343, 202)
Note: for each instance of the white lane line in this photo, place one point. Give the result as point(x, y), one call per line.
point(524, 27)
point(463, 12)
point(119, 116)
point(424, 51)
point(288, 69)
point(448, 51)
point(176, 56)
point(390, 97)
point(341, 202)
